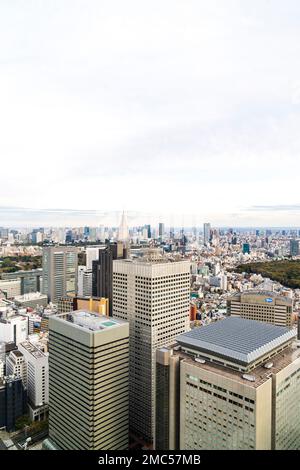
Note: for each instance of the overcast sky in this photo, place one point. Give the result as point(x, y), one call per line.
point(188, 107)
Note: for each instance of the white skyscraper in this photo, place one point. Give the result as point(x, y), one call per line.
point(37, 378)
point(153, 295)
point(123, 229)
point(85, 281)
point(92, 254)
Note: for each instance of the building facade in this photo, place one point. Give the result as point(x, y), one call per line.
point(31, 281)
point(206, 233)
point(85, 282)
point(37, 377)
point(294, 247)
point(10, 288)
point(60, 270)
point(88, 382)
point(239, 388)
point(262, 306)
point(154, 298)
point(102, 279)
point(12, 402)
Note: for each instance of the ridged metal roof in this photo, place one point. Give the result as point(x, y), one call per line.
point(237, 339)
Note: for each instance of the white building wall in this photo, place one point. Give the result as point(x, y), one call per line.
point(7, 330)
point(37, 375)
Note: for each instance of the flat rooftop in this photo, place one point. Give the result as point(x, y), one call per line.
point(33, 350)
point(17, 353)
point(264, 295)
point(30, 296)
point(260, 374)
point(237, 339)
point(89, 320)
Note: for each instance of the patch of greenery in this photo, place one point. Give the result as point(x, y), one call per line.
point(11, 264)
point(287, 272)
point(22, 421)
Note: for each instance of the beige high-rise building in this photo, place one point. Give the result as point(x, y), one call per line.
point(60, 271)
point(88, 382)
point(153, 294)
point(234, 384)
point(265, 306)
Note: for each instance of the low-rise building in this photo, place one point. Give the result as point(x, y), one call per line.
point(263, 306)
point(10, 287)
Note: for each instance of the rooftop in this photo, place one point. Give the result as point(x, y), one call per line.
point(30, 296)
point(237, 339)
point(262, 293)
point(17, 353)
point(260, 373)
point(33, 350)
point(89, 320)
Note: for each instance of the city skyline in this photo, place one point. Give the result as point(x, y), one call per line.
point(20, 217)
point(149, 105)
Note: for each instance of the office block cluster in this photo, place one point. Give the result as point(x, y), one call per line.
point(151, 338)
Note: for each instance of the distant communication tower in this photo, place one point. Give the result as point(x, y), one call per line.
point(123, 229)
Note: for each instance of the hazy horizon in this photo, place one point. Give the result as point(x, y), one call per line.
point(27, 218)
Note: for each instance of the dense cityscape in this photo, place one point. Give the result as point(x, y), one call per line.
point(149, 337)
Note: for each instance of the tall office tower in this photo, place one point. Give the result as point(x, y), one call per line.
point(3, 233)
point(88, 382)
point(92, 254)
point(12, 402)
point(265, 306)
point(37, 379)
point(167, 400)
point(123, 234)
point(60, 267)
point(103, 270)
point(149, 233)
point(206, 233)
point(85, 282)
point(233, 384)
point(154, 297)
point(161, 230)
point(246, 248)
point(93, 234)
point(69, 236)
point(294, 247)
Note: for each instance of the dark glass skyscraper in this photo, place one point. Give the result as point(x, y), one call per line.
point(103, 268)
point(12, 402)
point(294, 247)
